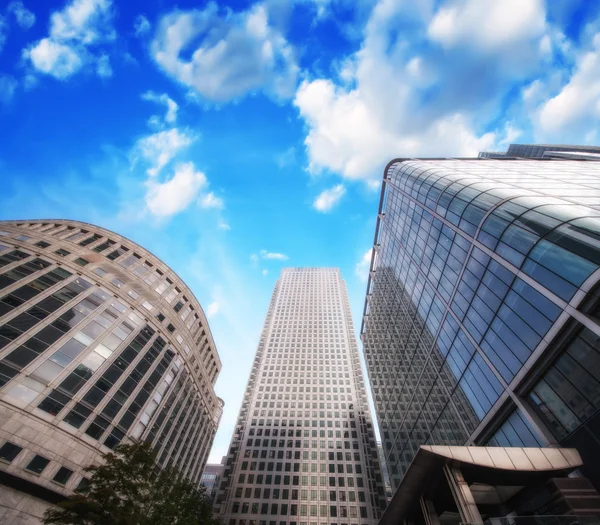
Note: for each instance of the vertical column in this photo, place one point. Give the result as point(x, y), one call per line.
point(429, 512)
point(463, 497)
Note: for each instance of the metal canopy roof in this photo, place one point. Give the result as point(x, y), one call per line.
point(490, 465)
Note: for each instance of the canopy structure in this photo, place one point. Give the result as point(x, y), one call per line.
point(476, 476)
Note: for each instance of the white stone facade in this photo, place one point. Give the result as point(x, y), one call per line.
point(100, 343)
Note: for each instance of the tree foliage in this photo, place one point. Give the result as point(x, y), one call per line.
point(128, 489)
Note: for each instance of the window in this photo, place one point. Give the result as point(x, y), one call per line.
point(37, 464)
point(83, 485)
point(62, 252)
point(62, 476)
point(81, 261)
point(90, 240)
point(42, 244)
point(9, 451)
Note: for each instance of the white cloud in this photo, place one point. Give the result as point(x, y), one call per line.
point(574, 111)
point(211, 201)
point(406, 91)
point(229, 55)
point(488, 26)
point(160, 148)
point(222, 225)
point(273, 256)
point(25, 18)
point(74, 31)
point(171, 106)
point(53, 58)
point(327, 199)
point(254, 258)
point(103, 68)
point(8, 86)
point(174, 195)
point(85, 21)
point(141, 25)
point(265, 272)
point(362, 267)
point(212, 309)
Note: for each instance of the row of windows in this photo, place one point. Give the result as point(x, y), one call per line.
point(277, 479)
point(95, 406)
point(271, 466)
point(299, 510)
point(300, 433)
point(299, 494)
point(142, 270)
point(37, 464)
point(234, 521)
point(331, 456)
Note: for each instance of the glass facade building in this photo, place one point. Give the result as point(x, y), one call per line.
point(482, 316)
point(303, 450)
point(211, 479)
point(100, 343)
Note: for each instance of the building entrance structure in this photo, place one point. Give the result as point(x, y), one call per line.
point(451, 485)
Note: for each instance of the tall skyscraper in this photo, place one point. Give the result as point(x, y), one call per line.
point(304, 450)
point(100, 343)
point(482, 316)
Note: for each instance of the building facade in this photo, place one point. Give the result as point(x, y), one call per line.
point(100, 343)
point(304, 450)
point(211, 479)
point(482, 316)
point(540, 151)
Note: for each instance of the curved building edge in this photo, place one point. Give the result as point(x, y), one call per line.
point(100, 343)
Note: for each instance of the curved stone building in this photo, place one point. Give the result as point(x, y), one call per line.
point(100, 343)
point(482, 318)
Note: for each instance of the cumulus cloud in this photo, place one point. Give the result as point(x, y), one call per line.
point(273, 256)
point(171, 106)
point(25, 18)
point(327, 199)
point(362, 267)
point(489, 26)
point(75, 32)
point(85, 21)
point(222, 225)
point(424, 82)
point(225, 56)
point(171, 191)
point(141, 25)
point(212, 201)
point(54, 58)
point(574, 111)
point(158, 149)
point(164, 199)
point(212, 309)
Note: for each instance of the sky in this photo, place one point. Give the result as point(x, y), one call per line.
point(233, 139)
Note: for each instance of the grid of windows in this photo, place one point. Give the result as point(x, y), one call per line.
point(476, 262)
point(100, 359)
point(304, 445)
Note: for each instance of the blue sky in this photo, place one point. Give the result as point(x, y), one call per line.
point(234, 139)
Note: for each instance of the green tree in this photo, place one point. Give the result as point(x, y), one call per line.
point(128, 489)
